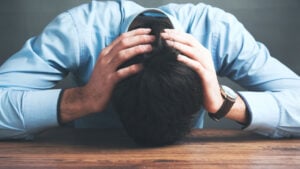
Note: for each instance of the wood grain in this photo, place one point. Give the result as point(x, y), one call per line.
point(91, 148)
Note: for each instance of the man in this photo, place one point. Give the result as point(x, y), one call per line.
point(91, 42)
point(159, 104)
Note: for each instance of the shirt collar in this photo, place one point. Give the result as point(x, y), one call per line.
point(149, 11)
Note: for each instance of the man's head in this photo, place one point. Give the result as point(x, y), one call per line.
point(159, 105)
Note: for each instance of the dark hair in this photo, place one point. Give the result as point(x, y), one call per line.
point(158, 105)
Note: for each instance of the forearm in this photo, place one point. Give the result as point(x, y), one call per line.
point(73, 104)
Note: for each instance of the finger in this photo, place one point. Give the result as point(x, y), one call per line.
point(178, 36)
point(196, 66)
point(129, 53)
point(127, 43)
point(136, 32)
point(141, 31)
point(128, 71)
point(134, 41)
point(184, 38)
point(189, 51)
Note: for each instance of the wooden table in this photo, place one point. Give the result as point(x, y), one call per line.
point(92, 148)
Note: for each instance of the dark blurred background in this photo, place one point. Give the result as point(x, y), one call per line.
point(276, 23)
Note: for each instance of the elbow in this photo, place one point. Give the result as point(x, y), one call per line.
point(15, 134)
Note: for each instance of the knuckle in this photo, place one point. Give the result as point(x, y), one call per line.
point(118, 76)
point(177, 45)
point(124, 42)
point(104, 51)
point(123, 35)
point(143, 38)
point(143, 48)
point(138, 49)
point(146, 38)
point(121, 56)
point(197, 68)
point(132, 69)
point(133, 51)
point(103, 60)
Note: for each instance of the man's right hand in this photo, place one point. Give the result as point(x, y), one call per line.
point(95, 95)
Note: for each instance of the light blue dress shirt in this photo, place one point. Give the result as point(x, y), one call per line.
point(71, 43)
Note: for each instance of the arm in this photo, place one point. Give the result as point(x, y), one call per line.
point(200, 60)
point(94, 96)
point(273, 89)
point(29, 106)
point(27, 103)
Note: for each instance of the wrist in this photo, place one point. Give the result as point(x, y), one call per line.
point(73, 105)
point(239, 112)
point(229, 98)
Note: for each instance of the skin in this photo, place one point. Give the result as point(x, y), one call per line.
point(82, 101)
point(200, 60)
point(88, 99)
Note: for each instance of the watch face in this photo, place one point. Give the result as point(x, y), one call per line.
point(229, 92)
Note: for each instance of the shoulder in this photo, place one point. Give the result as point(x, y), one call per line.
point(97, 15)
point(201, 15)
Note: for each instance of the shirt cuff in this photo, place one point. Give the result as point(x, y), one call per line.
point(40, 109)
point(264, 112)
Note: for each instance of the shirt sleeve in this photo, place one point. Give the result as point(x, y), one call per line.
point(273, 90)
point(273, 94)
point(28, 104)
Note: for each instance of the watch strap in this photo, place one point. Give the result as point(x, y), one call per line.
point(222, 112)
point(226, 106)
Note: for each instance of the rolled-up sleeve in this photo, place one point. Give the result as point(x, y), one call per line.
point(27, 112)
point(273, 90)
